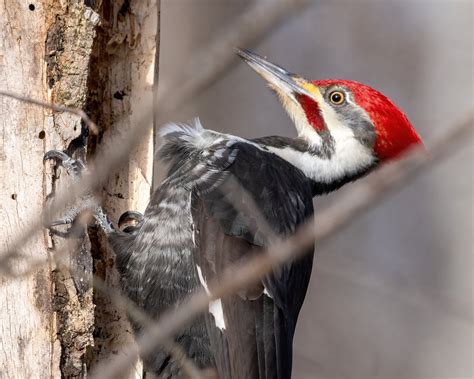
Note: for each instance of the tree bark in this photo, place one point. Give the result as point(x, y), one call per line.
point(121, 89)
point(40, 59)
point(51, 322)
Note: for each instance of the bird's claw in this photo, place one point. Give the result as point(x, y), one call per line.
point(74, 167)
point(130, 221)
point(64, 221)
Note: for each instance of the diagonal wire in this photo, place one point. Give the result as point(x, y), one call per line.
point(54, 107)
point(359, 198)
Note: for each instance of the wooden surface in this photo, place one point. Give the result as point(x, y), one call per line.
point(29, 346)
point(48, 320)
point(121, 90)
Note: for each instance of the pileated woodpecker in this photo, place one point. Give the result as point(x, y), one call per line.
point(198, 222)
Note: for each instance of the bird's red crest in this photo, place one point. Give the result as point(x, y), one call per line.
point(395, 134)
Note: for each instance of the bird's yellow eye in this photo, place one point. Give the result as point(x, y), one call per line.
point(337, 97)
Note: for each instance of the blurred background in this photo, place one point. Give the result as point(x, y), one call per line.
point(392, 295)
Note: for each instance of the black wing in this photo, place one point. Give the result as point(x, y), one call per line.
point(254, 339)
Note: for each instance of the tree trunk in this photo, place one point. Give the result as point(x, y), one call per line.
point(97, 55)
point(121, 89)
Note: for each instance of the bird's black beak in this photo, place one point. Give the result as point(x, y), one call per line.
point(283, 82)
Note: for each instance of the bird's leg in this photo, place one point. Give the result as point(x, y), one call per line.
point(102, 220)
point(75, 168)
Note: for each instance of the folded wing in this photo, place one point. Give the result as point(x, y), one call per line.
point(260, 197)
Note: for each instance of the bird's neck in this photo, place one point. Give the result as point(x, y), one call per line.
point(329, 165)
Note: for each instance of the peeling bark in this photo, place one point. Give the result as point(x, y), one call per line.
point(95, 55)
point(121, 86)
point(68, 47)
point(45, 324)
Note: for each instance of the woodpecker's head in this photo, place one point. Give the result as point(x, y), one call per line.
point(349, 127)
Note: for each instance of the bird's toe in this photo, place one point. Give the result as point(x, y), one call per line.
point(74, 167)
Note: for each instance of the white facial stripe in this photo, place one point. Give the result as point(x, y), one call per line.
point(350, 157)
point(215, 307)
point(338, 130)
point(297, 115)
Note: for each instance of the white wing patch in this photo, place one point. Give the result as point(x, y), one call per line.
point(215, 307)
point(265, 292)
point(350, 157)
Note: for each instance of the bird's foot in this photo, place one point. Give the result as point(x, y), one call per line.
point(130, 221)
point(74, 167)
point(88, 203)
point(102, 220)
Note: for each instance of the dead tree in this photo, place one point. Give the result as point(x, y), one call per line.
point(94, 55)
